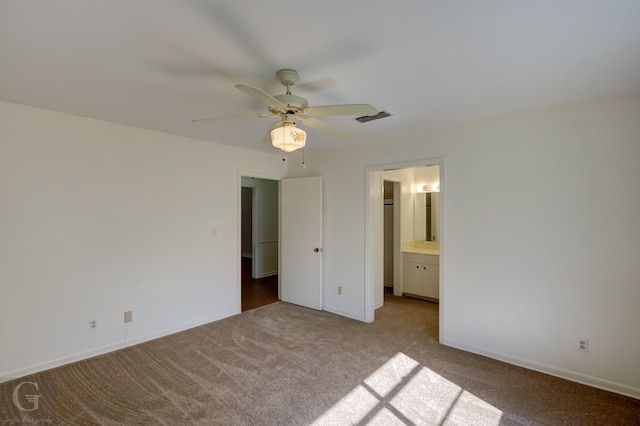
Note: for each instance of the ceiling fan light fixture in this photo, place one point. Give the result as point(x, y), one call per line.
point(288, 137)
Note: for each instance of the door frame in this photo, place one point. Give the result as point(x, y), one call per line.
point(374, 228)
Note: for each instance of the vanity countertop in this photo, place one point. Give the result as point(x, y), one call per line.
point(421, 247)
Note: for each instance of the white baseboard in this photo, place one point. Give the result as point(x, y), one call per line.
point(343, 313)
point(267, 274)
point(549, 369)
point(6, 376)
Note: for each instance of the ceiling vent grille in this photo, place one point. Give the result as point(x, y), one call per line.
point(378, 116)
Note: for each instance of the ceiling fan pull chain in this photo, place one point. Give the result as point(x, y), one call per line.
point(283, 159)
point(302, 166)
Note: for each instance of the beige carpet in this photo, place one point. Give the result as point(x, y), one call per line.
point(286, 365)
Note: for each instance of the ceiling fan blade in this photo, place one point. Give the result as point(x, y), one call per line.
point(329, 128)
point(346, 109)
point(233, 117)
point(260, 95)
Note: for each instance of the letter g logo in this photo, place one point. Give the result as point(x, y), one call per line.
point(33, 399)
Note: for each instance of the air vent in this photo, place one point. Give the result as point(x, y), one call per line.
point(378, 116)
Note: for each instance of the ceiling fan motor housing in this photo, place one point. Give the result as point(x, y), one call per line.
point(294, 104)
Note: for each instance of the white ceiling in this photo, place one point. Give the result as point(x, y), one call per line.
point(157, 64)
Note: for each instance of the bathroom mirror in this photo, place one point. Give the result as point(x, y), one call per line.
point(425, 216)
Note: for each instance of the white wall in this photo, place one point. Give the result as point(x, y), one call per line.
point(426, 175)
point(97, 219)
point(406, 177)
point(540, 245)
point(540, 238)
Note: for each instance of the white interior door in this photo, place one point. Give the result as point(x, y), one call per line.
point(301, 241)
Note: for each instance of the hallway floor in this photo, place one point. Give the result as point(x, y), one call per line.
point(257, 292)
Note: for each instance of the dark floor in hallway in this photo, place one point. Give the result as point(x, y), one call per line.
point(257, 292)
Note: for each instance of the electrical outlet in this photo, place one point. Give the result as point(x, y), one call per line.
point(93, 324)
point(339, 289)
point(583, 344)
point(128, 316)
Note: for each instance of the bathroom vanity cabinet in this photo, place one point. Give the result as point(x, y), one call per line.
point(421, 275)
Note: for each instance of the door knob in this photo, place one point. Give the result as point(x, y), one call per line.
point(316, 249)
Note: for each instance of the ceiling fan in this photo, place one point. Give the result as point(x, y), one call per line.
point(291, 109)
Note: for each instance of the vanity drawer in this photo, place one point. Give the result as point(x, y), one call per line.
point(429, 259)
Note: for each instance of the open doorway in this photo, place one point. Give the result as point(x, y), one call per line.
point(392, 240)
point(414, 183)
point(388, 235)
point(259, 242)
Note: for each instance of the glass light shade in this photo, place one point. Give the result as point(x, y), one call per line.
point(288, 137)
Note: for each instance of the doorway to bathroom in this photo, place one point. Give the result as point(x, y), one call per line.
point(413, 179)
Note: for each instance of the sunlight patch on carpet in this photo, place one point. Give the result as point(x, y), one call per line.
point(402, 391)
